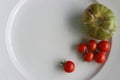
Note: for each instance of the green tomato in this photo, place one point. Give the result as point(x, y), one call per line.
point(100, 22)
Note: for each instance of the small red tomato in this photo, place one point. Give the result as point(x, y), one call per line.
point(104, 46)
point(82, 48)
point(69, 66)
point(92, 45)
point(100, 57)
point(88, 56)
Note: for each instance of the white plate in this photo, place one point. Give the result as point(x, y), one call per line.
point(38, 36)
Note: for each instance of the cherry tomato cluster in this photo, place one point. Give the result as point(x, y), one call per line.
point(94, 50)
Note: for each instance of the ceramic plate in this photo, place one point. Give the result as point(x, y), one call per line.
point(41, 33)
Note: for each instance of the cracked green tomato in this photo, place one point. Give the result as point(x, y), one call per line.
point(100, 22)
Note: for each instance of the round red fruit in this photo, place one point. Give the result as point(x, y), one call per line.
point(104, 46)
point(100, 57)
point(88, 56)
point(82, 48)
point(69, 66)
point(92, 45)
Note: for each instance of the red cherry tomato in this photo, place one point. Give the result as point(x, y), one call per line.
point(104, 46)
point(88, 56)
point(82, 48)
point(69, 66)
point(100, 57)
point(92, 45)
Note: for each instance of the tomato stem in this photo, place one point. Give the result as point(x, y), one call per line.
point(62, 62)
